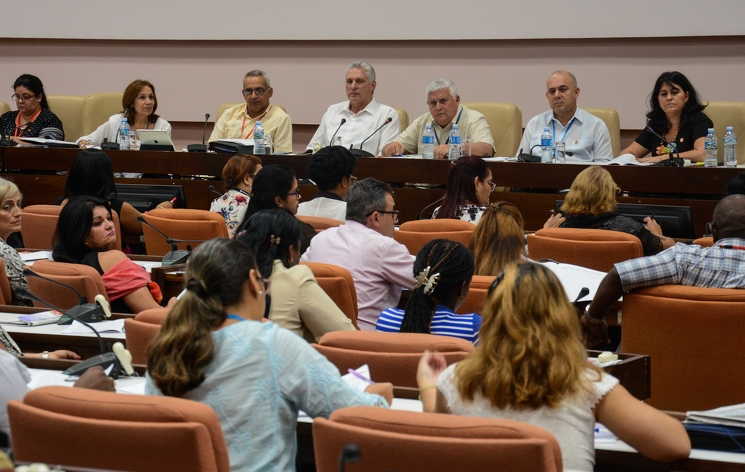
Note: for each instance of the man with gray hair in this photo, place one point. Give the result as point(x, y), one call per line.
point(445, 109)
point(360, 121)
point(364, 245)
point(239, 121)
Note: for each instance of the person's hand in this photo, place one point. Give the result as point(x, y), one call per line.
point(165, 204)
point(63, 354)
point(84, 144)
point(171, 302)
point(384, 389)
point(95, 379)
point(554, 221)
point(393, 149)
point(441, 151)
point(654, 159)
point(431, 365)
point(595, 331)
point(652, 226)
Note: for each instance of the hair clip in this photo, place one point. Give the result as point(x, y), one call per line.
point(274, 240)
point(423, 279)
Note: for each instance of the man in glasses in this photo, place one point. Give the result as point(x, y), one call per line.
point(239, 121)
point(364, 245)
point(360, 120)
point(331, 170)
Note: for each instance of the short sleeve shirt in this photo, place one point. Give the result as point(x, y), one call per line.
point(473, 129)
point(695, 127)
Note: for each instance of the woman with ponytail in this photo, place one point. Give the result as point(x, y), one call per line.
point(499, 239)
point(531, 366)
point(213, 348)
point(298, 303)
point(443, 271)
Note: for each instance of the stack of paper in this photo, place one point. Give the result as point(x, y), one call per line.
point(731, 415)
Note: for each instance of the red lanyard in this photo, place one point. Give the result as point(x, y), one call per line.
point(731, 246)
point(18, 131)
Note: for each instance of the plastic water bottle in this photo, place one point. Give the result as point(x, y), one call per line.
point(730, 147)
point(428, 142)
point(710, 146)
point(259, 142)
point(547, 146)
point(454, 147)
point(123, 138)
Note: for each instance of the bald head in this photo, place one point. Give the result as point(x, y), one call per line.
point(565, 74)
point(729, 218)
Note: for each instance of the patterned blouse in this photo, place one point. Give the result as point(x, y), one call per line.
point(46, 126)
point(232, 206)
point(14, 269)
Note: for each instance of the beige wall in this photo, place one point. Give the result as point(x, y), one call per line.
point(194, 77)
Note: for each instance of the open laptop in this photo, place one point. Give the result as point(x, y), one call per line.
point(154, 140)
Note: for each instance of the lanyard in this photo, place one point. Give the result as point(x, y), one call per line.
point(236, 317)
point(437, 138)
point(566, 130)
point(258, 118)
point(20, 129)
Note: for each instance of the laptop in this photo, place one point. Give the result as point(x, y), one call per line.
point(154, 140)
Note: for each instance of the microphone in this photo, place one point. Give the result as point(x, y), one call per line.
point(200, 147)
point(83, 311)
point(661, 138)
point(107, 145)
point(439, 200)
point(360, 152)
point(584, 291)
point(350, 453)
point(5, 141)
point(530, 157)
point(212, 189)
point(306, 181)
point(343, 120)
point(124, 357)
point(175, 255)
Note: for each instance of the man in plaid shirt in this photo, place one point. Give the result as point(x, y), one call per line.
point(719, 266)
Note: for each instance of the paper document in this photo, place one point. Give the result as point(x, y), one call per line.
point(35, 255)
point(627, 160)
point(34, 319)
point(109, 326)
point(573, 278)
point(149, 265)
point(49, 142)
point(359, 378)
point(500, 159)
point(730, 415)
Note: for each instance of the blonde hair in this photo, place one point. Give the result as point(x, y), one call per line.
point(498, 239)
point(7, 189)
point(593, 191)
point(531, 353)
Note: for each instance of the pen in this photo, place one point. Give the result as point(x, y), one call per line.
point(358, 375)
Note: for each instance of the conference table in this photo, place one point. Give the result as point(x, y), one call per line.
point(533, 187)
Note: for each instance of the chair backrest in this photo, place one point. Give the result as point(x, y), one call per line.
point(221, 109)
point(97, 108)
point(706, 241)
point(437, 225)
point(597, 249)
point(392, 357)
point(139, 335)
point(416, 240)
point(319, 223)
point(613, 122)
point(83, 278)
point(6, 294)
point(105, 430)
point(4, 107)
point(476, 296)
point(180, 223)
point(692, 335)
point(403, 119)
point(725, 114)
point(338, 284)
point(427, 442)
point(155, 316)
point(40, 224)
point(69, 109)
point(506, 124)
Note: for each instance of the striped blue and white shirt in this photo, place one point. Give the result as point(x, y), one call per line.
point(444, 323)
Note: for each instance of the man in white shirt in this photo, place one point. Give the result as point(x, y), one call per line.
point(445, 109)
point(364, 245)
point(360, 121)
point(331, 170)
point(585, 136)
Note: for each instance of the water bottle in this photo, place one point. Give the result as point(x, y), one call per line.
point(547, 147)
point(454, 147)
point(730, 145)
point(711, 149)
point(259, 143)
point(428, 142)
point(123, 138)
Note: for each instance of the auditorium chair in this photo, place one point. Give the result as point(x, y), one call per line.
point(6, 294)
point(85, 279)
point(725, 114)
point(437, 225)
point(141, 330)
point(476, 296)
point(392, 357)
point(183, 224)
point(693, 336)
point(40, 224)
point(506, 124)
point(319, 223)
point(4, 107)
point(613, 122)
point(338, 284)
point(86, 428)
point(69, 109)
point(432, 442)
point(597, 249)
point(97, 109)
point(403, 119)
point(416, 240)
point(706, 241)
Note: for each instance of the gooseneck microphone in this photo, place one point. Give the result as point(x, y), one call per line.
point(388, 120)
point(204, 128)
point(212, 189)
point(83, 311)
point(333, 136)
point(175, 255)
point(200, 147)
point(4, 140)
point(584, 291)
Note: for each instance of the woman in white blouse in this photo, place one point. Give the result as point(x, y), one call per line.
point(139, 104)
point(531, 366)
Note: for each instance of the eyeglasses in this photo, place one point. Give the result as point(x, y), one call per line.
point(22, 98)
point(295, 194)
point(259, 91)
point(492, 186)
point(395, 213)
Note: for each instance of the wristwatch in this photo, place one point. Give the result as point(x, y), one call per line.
point(45, 355)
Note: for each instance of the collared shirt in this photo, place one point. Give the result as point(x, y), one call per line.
point(259, 377)
point(473, 129)
point(381, 267)
point(235, 123)
point(14, 377)
point(688, 264)
point(445, 322)
point(357, 127)
point(326, 205)
point(585, 135)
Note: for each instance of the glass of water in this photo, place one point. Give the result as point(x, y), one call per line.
point(560, 157)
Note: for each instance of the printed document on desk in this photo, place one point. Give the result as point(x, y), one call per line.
point(573, 278)
point(109, 326)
